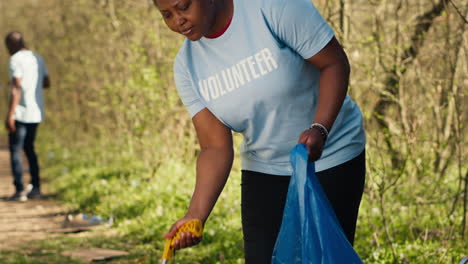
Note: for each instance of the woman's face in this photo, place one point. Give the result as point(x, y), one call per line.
point(191, 18)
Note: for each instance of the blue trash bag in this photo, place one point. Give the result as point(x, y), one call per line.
point(310, 232)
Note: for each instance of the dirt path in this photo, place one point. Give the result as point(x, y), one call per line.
point(23, 222)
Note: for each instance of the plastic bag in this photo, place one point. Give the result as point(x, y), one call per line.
point(310, 232)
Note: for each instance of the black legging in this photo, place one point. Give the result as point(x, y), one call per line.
point(264, 197)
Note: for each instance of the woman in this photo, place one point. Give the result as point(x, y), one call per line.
point(273, 71)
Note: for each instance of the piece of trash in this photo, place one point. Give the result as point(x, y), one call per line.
point(95, 254)
point(193, 226)
point(82, 222)
point(92, 218)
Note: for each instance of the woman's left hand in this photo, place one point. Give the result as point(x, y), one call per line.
point(314, 143)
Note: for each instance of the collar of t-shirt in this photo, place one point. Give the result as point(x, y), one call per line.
point(221, 32)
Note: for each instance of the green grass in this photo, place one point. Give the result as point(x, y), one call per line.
point(145, 200)
point(52, 251)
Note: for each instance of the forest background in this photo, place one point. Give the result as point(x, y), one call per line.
point(117, 140)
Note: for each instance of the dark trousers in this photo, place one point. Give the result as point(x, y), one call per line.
point(264, 198)
point(23, 139)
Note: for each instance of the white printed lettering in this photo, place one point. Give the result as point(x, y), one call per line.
point(237, 75)
point(204, 90)
point(258, 59)
point(268, 58)
point(244, 68)
point(214, 90)
point(229, 85)
point(220, 86)
point(251, 66)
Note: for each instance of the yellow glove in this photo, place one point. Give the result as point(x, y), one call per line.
point(193, 226)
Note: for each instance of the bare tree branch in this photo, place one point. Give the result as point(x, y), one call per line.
point(391, 91)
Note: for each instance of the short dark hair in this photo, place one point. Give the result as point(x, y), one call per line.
point(15, 39)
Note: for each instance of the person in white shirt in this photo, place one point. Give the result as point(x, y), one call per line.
point(28, 75)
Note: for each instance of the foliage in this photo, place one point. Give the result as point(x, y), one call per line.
point(117, 140)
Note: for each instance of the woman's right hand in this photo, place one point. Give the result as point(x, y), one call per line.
point(213, 165)
point(186, 239)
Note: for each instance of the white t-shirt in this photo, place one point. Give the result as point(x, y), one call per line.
point(31, 68)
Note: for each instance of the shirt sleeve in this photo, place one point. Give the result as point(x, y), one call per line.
point(187, 93)
point(16, 71)
point(43, 66)
point(299, 25)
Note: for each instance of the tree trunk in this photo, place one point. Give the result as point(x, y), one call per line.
point(424, 22)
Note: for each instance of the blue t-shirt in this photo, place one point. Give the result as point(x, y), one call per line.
point(254, 79)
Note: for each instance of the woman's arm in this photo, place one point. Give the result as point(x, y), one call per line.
point(334, 68)
point(213, 167)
